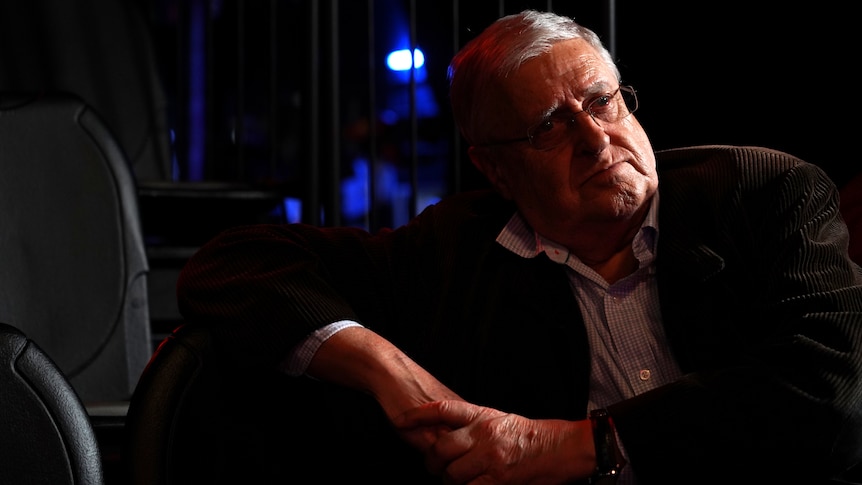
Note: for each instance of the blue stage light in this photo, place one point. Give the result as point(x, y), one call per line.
point(400, 60)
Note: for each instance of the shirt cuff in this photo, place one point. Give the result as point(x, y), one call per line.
point(300, 356)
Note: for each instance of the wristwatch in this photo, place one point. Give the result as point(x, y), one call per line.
point(609, 458)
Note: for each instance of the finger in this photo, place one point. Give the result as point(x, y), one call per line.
point(452, 414)
point(446, 450)
point(422, 437)
point(468, 467)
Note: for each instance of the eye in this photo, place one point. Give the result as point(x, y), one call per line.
point(551, 131)
point(552, 127)
point(547, 125)
point(607, 107)
point(599, 104)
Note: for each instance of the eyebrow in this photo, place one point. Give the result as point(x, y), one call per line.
point(594, 89)
point(600, 87)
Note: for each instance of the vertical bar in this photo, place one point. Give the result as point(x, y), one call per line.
point(209, 95)
point(181, 85)
point(414, 123)
point(196, 89)
point(273, 89)
point(334, 120)
point(456, 134)
point(311, 207)
point(239, 126)
point(372, 121)
point(611, 26)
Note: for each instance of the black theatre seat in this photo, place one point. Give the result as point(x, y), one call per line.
point(45, 432)
point(197, 418)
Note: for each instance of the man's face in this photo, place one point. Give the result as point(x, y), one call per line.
point(601, 173)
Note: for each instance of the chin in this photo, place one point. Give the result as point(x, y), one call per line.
point(626, 204)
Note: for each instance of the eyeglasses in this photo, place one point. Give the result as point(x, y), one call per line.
point(557, 129)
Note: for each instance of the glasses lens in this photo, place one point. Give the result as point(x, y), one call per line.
point(609, 108)
point(551, 132)
point(630, 99)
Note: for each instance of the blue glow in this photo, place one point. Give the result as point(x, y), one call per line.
point(355, 197)
point(398, 103)
point(390, 192)
point(292, 209)
point(400, 60)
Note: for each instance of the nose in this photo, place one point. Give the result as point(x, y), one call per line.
point(591, 138)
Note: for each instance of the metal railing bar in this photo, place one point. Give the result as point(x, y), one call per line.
point(456, 134)
point(273, 89)
point(373, 219)
point(239, 122)
point(414, 123)
point(334, 122)
point(311, 204)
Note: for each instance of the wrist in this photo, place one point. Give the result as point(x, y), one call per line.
point(609, 458)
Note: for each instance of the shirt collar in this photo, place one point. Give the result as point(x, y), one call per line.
point(518, 237)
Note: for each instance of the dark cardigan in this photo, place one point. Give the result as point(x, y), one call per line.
point(760, 302)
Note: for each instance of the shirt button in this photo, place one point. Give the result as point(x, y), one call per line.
point(644, 374)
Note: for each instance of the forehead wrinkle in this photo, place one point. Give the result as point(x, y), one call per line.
point(557, 82)
point(587, 76)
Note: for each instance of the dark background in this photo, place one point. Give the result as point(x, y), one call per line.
point(758, 73)
point(293, 96)
point(764, 73)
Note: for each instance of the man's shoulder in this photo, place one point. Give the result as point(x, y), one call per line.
point(479, 203)
point(728, 156)
point(467, 215)
point(718, 165)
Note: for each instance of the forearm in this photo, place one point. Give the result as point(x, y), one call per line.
point(262, 291)
point(360, 359)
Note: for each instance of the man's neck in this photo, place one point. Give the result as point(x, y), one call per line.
point(607, 247)
point(614, 267)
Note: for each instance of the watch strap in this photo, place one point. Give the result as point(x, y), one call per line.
point(609, 458)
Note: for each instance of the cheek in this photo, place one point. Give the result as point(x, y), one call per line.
point(536, 176)
point(640, 143)
point(646, 166)
point(549, 190)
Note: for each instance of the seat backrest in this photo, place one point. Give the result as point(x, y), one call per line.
point(103, 52)
point(45, 433)
point(851, 211)
point(172, 436)
point(71, 248)
point(195, 417)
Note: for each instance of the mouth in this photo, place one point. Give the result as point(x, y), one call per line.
point(611, 170)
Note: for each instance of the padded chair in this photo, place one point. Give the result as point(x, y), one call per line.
point(851, 210)
point(45, 433)
point(196, 417)
point(72, 255)
point(102, 51)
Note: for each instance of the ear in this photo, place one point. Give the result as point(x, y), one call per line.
point(491, 167)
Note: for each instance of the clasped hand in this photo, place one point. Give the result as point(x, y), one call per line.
point(466, 443)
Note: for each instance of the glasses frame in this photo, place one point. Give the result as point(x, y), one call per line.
point(622, 88)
